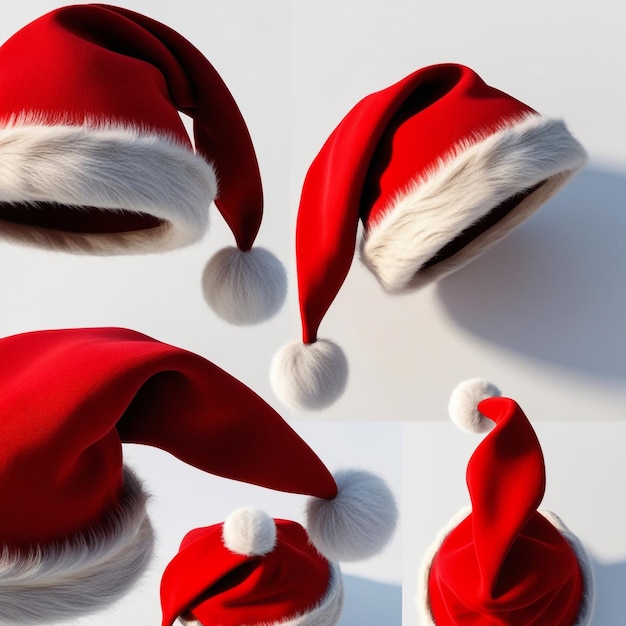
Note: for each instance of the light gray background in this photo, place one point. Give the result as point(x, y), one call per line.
point(542, 314)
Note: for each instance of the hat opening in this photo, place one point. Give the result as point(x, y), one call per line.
point(99, 188)
point(55, 216)
point(485, 223)
point(468, 201)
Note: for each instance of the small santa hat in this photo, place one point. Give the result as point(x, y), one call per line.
point(503, 561)
point(76, 534)
point(251, 570)
point(437, 167)
point(94, 157)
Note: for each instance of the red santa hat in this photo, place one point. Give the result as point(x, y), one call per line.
point(94, 157)
point(251, 570)
point(76, 534)
point(437, 167)
point(503, 561)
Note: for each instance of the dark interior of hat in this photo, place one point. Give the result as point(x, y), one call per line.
point(228, 581)
point(479, 227)
point(72, 219)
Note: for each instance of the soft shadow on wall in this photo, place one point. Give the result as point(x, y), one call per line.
point(555, 289)
point(370, 603)
point(610, 602)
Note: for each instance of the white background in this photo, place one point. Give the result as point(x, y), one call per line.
point(541, 314)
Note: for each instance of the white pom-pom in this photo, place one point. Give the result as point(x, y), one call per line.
point(309, 376)
point(463, 405)
point(244, 287)
point(250, 532)
point(358, 522)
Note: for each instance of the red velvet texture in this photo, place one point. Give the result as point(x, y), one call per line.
point(221, 587)
point(70, 398)
point(505, 564)
point(390, 138)
point(99, 65)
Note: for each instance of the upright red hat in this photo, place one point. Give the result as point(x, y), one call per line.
point(94, 157)
point(76, 534)
point(251, 570)
point(503, 561)
point(437, 167)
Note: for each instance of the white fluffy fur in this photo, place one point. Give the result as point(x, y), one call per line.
point(83, 574)
point(465, 186)
point(585, 614)
point(586, 568)
point(358, 522)
point(244, 287)
point(421, 598)
point(309, 377)
point(249, 531)
point(116, 168)
point(463, 404)
point(326, 613)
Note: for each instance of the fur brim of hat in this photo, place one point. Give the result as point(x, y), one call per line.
point(463, 188)
point(326, 613)
point(83, 574)
point(587, 603)
point(128, 173)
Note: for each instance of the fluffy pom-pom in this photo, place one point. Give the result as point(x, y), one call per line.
point(463, 405)
point(244, 287)
point(358, 522)
point(250, 532)
point(309, 376)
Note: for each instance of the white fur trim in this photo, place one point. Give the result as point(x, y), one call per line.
point(358, 522)
point(422, 601)
point(463, 404)
point(326, 613)
point(85, 573)
point(244, 287)
point(114, 168)
point(249, 531)
point(586, 568)
point(464, 187)
point(585, 614)
point(309, 377)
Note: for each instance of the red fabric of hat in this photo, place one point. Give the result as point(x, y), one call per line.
point(506, 563)
point(77, 534)
point(94, 157)
point(437, 167)
point(250, 570)
point(69, 398)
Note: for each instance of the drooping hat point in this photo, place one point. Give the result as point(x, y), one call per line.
point(76, 535)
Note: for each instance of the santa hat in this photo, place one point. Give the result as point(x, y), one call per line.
point(251, 570)
point(503, 561)
point(76, 533)
point(94, 157)
point(437, 167)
